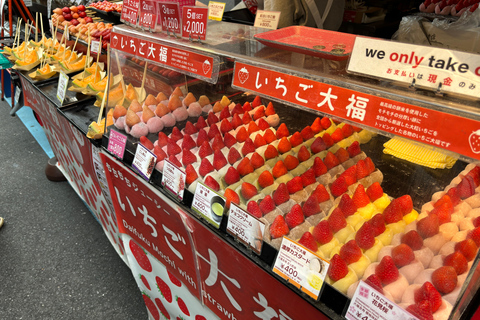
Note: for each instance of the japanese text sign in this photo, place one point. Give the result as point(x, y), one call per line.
point(130, 12)
point(173, 179)
point(245, 227)
point(439, 129)
point(194, 21)
point(148, 14)
point(144, 161)
point(209, 204)
point(215, 10)
point(427, 67)
point(267, 19)
point(117, 143)
point(170, 17)
point(62, 86)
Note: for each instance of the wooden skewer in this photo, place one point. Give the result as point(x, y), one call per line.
point(88, 54)
point(36, 27)
point(106, 89)
point(74, 45)
point(144, 76)
point(120, 72)
point(98, 57)
point(25, 48)
point(16, 34)
point(19, 30)
point(54, 36)
point(43, 34)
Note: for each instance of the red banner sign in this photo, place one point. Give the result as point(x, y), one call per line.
point(439, 129)
point(130, 11)
point(183, 60)
point(169, 13)
point(195, 23)
point(148, 14)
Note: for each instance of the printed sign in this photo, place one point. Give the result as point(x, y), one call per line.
point(173, 179)
point(170, 17)
point(144, 161)
point(148, 14)
point(62, 86)
point(117, 143)
point(95, 46)
point(245, 227)
point(215, 10)
point(194, 22)
point(267, 19)
point(130, 12)
point(209, 204)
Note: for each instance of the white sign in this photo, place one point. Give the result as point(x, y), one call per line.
point(426, 67)
point(245, 227)
point(267, 19)
point(209, 204)
point(28, 3)
point(62, 86)
point(94, 47)
point(301, 267)
point(173, 179)
point(368, 303)
point(144, 161)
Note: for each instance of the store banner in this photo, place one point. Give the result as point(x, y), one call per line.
point(390, 116)
point(152, 222)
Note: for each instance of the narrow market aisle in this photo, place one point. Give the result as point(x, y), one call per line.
point(55, 261)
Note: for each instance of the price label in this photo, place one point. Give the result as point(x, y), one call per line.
point(148, 14)
point(215, 10)
point(67, 34)
point(267, 19)
point(95, 46)
point(194, 22)
point(62, 86)
point(301, 267)
point(18, 91)
point(144, 161)
point(245, 227)
point(173, 179)
point(170, 17)
point(28, 3)
point(368, 303)
point(130, 12)
point(209, 204)
point(117, 143)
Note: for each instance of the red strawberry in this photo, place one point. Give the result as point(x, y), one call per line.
point(229, 140)
point(254, 209)
point(248, 190)
point(190, 128)
point(364, 237)
point(213, 131)
point(318, 145)
point(326, 123)
point(350, 252)
point(232, 176)
point(248, 147)
point(263, 124)
point(422, 311)
point(267, 205)
point(402, 255)
point(270, 153)
point(413, 240)
point(466, 187)
point(245, 167)
point(354, 149)
point(176, 134)
point(151, 307)
point(454, 197)
point(331, 161)
point(233, 156)
point(378, 224)
point(284, 145)
point(319, 167)
point(337, 135)
point(322, 232)
point(157, 150)
point(182, 306)
point(256, 102)
point(259, 113)
point(212, 183)
point(212, 118)
point(242, 135)
point(279, 227)
point(164, 289)
point(265, 179)
point(294, 217)
point(443, 212)
point(219, 160)
point(321, 193)
point(308, 241)
point(303, 154)
point(347, 205)
point(468, 248)
point(375, 191)
point(238, 109)
point(339, 186)
point(162, 308)
point(360, 197)
point(362, 170)
point(162, 139)
point(188, 157)
point(316, 125)
point(350, 175)
point(296, 139)
point(475, 174)
point(370, 165)
point(256, 160)
point(140, 256)
point(456, 260)
point(386, 270)
point(356, 129)
point(311, 206)
point(475, 233)
point(393, 212)
point(374, 281)
point(247, 107)
point(338, 268)
point(188, 143)
point(336, 220)
point(428, 292)
point(259, 141)
point(307, 133)
point(246, 119)
point(428, 226)
point(282, 131)
point(294, 185)
point(445, 279)
point(281, 194)
point(225, 126)
point(342, 155)
point(347, 130)
point(270, 110)
point(224, 114)
point(445, 199)
point(200, 123)
point(205, 150)
point(173, 148)
point(146, 143)
point(236, 121)
point(217, 143)
point(202, 137)
point(290, 162)
point(405, 203)
point(205, 167)
point(308, 177)
point(328, 140)
point(269, 136)
point(279, 169)
point(252, 127)
point(231, 196)
point(191, 174)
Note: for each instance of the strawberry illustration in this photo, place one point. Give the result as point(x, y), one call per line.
point(164, 289)
point(474, 140)
point(145, 281)
point(199, 317)
point(206, 66)
point(243, 75)
point(140, 256)
point(162, 308)
point(151, 307)
point(182, 306)
point(174, 279)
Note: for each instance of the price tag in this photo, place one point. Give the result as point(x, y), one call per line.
point(301, 267)
point(170, 17)
point(209, 204)
point(67, 34)
point(215, 10)
point(95, 46)
point(368, 303)
point(173, 179)
point(28, 3)
point(148, 14)
point(117, 143)
point(62, 86)
point(194, 21)
point(245, 227)
point(144, 161)
point(51, 26)
point(267, 19)
point(49, 8)
point(18, 91)
point(130, 12)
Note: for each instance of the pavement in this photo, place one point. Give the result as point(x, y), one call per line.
point(55, 261)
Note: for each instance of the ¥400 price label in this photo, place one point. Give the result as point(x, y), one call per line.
point(245, 228)
point(194, 22)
